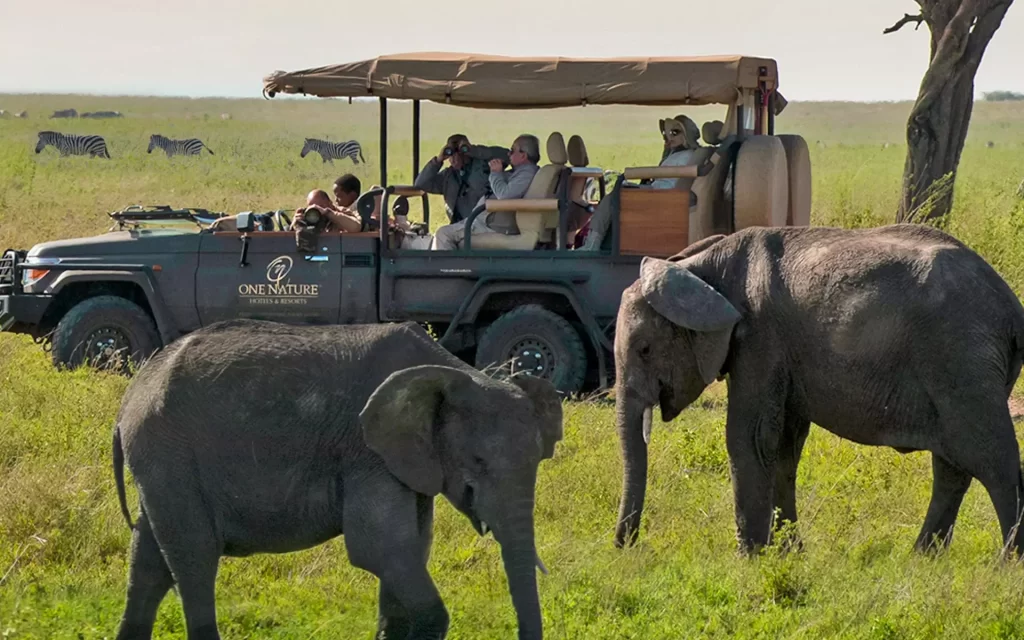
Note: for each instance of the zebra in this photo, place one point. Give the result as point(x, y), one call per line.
point(65, 113)
point(69, 144)
point(102, 114)
point(189, 147)
point(330, 150)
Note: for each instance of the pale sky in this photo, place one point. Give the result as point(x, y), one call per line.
point(826, 49)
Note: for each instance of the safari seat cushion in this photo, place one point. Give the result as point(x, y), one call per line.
point(533, 227)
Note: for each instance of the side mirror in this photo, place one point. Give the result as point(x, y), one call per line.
point(245, 222)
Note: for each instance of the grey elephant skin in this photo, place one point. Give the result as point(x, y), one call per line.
point(897, 336)
point(255, 437)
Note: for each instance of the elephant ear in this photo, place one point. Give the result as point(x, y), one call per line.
point(689, 302)
point(548, 406)
point(399, 422)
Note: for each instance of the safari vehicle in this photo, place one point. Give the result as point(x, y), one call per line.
point(528, 302)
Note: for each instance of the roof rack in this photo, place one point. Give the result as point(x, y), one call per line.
point(136, 214)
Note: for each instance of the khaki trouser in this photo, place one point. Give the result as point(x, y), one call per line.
point(450, 236)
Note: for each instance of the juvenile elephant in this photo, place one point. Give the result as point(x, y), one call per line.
point(256, 437)
point(897, 336)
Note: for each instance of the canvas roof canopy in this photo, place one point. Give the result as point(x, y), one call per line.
point(502, 82)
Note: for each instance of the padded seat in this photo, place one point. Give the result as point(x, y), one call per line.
point(537, 221)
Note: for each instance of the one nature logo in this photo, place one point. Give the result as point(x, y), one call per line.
point(278, 268)
point(279, 291)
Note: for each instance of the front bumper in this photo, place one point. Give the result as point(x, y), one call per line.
point(21, 313)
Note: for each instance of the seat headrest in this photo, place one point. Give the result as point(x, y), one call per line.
point(556, 149)
point(712, 132)
point(578, 152)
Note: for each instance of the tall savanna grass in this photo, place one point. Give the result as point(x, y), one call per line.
point(63, 542)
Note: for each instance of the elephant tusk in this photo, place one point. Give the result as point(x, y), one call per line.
point(540, 564)
point(648, 419)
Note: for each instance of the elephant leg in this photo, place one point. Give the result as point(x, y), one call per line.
point(192, 551)
point(149, 579)
point(791, 446)
point(949, 485)
point(384, 534)
point(393, 620)
point(990, 454)
point(752, 431)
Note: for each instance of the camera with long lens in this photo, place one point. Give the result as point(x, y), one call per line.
point(309, 224)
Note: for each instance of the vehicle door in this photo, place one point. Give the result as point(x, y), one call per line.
point(277, 282)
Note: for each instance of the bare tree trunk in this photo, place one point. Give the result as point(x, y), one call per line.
point(937, 127)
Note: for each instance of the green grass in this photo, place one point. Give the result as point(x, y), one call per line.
point(63, 543)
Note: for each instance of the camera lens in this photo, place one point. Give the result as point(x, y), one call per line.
point(311, 216)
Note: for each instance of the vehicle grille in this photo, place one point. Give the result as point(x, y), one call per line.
point(358, 260)
point(7, 268)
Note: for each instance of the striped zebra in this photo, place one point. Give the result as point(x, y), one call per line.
point(69, 144)
point(330, 150)
point(189, 147)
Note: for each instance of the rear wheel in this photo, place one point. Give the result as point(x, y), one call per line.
point(531, 340)
point(105, 332)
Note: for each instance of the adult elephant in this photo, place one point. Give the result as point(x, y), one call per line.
point(256, 437)
point(896, 336)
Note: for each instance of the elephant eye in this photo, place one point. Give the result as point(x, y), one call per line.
point(645, 351)
point(479, 464)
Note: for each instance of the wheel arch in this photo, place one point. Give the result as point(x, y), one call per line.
point(72, 288)
point(492, 297)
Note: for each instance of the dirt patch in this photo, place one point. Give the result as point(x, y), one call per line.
point(1016, 408)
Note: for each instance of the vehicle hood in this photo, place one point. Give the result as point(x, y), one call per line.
point(120, 243)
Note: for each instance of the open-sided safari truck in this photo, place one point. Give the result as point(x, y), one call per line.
point(530, 301)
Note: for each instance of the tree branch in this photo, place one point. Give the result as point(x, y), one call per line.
point(905, 20)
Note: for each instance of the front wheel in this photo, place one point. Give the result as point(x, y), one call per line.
point(105, 332)
point(531, 340)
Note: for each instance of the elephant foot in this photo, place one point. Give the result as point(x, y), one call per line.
point(134, 632)
point(204, 632)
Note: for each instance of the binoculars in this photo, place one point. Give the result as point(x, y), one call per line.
point(462, 148)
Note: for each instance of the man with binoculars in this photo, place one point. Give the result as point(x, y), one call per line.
point(464, 182)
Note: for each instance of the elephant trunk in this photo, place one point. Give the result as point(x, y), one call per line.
point(633, 417)
point(519, 555)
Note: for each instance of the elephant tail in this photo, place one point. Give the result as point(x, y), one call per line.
point(119, 477)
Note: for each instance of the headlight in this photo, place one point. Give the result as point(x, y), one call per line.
point(33, 270)
point(31, 276)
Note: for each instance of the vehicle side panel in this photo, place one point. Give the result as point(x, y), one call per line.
point(426, 287)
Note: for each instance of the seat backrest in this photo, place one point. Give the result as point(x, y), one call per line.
point(545, 185)
point(578, 158)
point(712, 213)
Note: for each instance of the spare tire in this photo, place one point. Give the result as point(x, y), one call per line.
point(798, 164)
point(532, 340)
point(761, 185)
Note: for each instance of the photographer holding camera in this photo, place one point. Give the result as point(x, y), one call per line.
point(464, 181)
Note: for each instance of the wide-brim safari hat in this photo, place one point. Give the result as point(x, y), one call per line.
point(691, 132)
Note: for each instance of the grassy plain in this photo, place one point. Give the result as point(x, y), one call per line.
point(63, 543)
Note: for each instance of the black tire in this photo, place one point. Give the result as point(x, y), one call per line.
point(116, 327)
point(554, 349)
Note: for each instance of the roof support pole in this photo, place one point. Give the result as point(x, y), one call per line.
point(383, 142)
point(415, 139)
point(416, 155)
